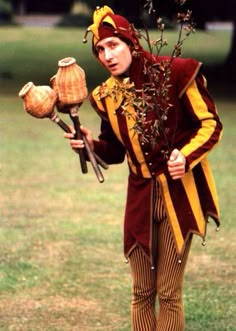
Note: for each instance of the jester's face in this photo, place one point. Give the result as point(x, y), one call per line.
point(115, 55)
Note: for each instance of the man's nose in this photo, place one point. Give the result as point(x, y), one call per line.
point(108, 54)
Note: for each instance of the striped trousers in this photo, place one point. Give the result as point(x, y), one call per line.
point(164, 282)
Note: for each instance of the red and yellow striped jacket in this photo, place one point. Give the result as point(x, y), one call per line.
point(193, 128)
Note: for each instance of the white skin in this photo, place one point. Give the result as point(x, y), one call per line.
point(116, 57)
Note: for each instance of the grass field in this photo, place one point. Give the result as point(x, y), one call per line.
point(32, 53)
point(61, 262)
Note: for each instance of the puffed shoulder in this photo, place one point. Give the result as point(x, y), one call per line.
point(184, 71)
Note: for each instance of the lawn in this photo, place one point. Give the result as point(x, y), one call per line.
point(61, 262)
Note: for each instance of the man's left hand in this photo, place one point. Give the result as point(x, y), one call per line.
point(176, 164)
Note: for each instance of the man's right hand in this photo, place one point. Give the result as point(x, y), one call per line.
point(75, 143)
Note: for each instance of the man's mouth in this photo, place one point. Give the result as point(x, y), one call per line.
point(111, 66)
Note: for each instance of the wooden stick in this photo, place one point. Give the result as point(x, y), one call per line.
point(75, 119)
point(56, 119)
point(81, 151)
point(93, 161)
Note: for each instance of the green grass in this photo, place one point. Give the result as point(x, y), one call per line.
point(61, 261)
point(31, 54)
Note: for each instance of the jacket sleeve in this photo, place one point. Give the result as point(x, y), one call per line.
point(108, 147)
point(202, 111)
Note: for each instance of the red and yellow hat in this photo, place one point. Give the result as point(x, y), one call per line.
point(107, 24)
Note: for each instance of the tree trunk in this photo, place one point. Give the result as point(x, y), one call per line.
point(22, 7)
point(231, 63)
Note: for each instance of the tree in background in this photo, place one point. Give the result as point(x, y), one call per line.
point(6, 11)
point(231, 63)
point(43, 6)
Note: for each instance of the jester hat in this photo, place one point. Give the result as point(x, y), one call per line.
point(107, 24)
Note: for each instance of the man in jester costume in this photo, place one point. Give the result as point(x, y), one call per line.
point(171, 192)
